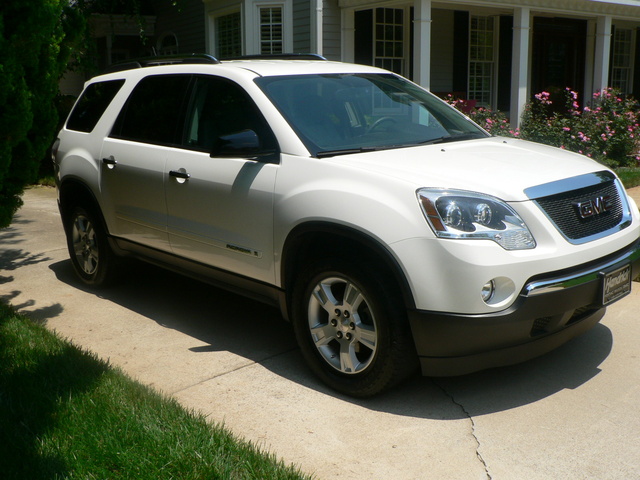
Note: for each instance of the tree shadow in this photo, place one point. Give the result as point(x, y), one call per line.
point(16, 258)
point(228, 322)
point(223, 320)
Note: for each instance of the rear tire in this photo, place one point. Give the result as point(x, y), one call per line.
point(352, 328)
point(91, 256)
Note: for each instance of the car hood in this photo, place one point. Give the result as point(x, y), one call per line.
point(502, 167)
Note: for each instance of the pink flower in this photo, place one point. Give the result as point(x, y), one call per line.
point(543, 97)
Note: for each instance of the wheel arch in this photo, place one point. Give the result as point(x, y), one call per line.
point(73, 192)
point(315, 240)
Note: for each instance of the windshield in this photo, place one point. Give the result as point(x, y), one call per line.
point(346, 113)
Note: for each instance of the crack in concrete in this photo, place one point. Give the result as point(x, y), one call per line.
point(473, 429)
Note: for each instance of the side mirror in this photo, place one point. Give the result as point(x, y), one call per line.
point(240, 144)
point(244, 144)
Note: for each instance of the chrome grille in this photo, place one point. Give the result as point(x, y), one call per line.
point(562, 210)
point(584, 208)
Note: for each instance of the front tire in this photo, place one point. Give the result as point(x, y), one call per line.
point(352, 328)
point(91, 256)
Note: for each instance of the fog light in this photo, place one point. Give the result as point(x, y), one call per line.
point(488, 290)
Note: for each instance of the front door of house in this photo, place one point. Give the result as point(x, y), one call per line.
point(559, 46)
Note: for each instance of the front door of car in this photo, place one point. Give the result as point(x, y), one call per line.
point(220, 204)
point(134, 156)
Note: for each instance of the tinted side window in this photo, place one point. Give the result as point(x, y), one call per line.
point(221, 108)
point(92, 104)
point(152, 113)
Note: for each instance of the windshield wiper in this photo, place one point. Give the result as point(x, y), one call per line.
point(453, 138)
point(349, 151)
point(444, 139)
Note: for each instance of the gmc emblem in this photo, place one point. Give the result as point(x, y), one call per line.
point(593, 206)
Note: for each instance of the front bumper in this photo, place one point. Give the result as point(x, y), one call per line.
point(549, 311)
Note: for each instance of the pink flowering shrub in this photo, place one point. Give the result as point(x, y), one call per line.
point(607, 131)
point(494, 122)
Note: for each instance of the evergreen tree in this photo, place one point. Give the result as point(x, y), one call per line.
point(37, 38)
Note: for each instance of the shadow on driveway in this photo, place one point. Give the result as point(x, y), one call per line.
point(228, 322)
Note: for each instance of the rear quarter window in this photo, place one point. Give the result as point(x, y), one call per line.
point(92, 104)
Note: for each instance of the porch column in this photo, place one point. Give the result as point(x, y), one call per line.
point(422, 43)
point(316, 27)
point(520, 63)
point(602, 54)
point(348, 43)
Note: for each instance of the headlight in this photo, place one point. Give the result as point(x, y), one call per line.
point(469, 215)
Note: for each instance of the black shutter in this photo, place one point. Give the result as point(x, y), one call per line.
point(364, 37)
point(460, 51)
point(505, 52)
point(636, 68)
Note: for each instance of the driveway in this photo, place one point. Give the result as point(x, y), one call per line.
point(572, 414)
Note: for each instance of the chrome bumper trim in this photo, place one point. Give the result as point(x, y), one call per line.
point(542, 287)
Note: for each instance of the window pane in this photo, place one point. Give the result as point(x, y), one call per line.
point(152, 112)
point(221, 108)
point(621, 60)
point(92, 104)
point(481, 59)
point(271, 30)
point(229, 35)
point(389, 46)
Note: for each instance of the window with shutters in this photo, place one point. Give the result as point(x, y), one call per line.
point(482, 63)
point(389, 39)
point(271, 30)
point(228, 30)
point(621, 59)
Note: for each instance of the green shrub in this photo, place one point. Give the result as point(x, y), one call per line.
point(36, 39)
point(607, 131)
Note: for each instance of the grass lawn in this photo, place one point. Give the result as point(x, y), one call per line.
point(630, 176)
point(66, 414)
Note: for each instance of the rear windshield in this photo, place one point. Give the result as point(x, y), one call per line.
point(346, 113)
point(92, 104)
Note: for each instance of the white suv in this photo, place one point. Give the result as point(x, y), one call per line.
point(390, 229)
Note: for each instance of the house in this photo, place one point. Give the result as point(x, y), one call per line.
point(495, 53)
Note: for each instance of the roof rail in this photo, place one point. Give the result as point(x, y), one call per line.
point(162, 60)
point(280, 56)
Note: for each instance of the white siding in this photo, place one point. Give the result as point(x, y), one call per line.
point(331, 32)
point(301, 26)
point(187, 23)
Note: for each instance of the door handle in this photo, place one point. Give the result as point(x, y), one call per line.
point(180, 174)
point(110, 162)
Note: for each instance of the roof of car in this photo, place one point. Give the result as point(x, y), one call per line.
point(292, 67)
point(262, 65)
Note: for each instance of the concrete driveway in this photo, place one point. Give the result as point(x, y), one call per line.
point(572, 414)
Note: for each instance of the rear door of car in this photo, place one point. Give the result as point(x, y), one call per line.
point(134, 158)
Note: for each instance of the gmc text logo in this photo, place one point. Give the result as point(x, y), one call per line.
point(593, 206)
